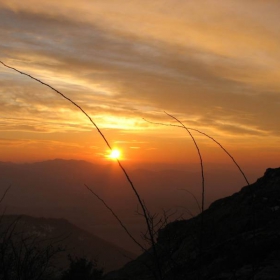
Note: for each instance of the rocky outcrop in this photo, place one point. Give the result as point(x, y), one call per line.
point(237, 237)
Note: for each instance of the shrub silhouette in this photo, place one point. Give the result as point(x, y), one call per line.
point(81, 268)
point(24, 256)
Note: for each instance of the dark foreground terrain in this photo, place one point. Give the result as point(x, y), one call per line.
point(238, 239)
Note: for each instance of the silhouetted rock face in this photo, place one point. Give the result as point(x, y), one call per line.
point(238, 237)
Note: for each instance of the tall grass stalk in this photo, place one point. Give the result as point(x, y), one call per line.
point(5, 193)
point(202, 191)
point(210, 137)
point(181, 125)
point(143, 207)
point(200, 159)
point(116, 217)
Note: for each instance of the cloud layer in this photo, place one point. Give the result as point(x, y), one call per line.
point(214, 66)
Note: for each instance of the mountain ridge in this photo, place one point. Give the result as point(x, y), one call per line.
point(55, 188)
point(239, 239)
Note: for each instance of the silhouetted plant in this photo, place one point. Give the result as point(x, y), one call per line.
point(5, 193)
point(82, 269)
point(208, 136)
point(23, 256)
point(142, 205)
point(181, 125)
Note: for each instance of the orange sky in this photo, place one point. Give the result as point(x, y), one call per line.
point(215, 65)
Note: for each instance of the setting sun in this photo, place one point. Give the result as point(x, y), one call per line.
point(115, 154)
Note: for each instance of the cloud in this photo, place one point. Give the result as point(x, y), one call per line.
point(214, 67)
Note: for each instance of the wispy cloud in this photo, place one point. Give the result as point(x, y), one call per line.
point(215, 65)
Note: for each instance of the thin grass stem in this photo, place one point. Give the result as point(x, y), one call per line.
point(117, 218)
point(200, 159)
point(213, 139)
point(109, 146)
point(4, 194)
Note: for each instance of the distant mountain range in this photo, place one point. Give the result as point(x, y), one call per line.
point(239, 238)
point(55, 189)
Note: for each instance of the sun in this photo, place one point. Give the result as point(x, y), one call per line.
point(115, 154)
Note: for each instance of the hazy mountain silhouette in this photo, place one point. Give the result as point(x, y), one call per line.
point(56, 189)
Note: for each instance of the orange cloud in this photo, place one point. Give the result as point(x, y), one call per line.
point(215, 65)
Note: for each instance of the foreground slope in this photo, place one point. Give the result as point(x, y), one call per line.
point(239, 239)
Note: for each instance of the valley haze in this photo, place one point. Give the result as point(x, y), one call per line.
point(56, 189)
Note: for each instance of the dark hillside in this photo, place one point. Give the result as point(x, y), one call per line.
point(240, 239)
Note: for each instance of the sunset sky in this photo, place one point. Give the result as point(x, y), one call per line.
point(215, 65)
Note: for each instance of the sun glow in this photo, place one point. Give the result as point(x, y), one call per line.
point(115, 154)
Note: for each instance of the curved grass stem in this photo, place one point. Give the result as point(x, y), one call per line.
point(143, 207)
